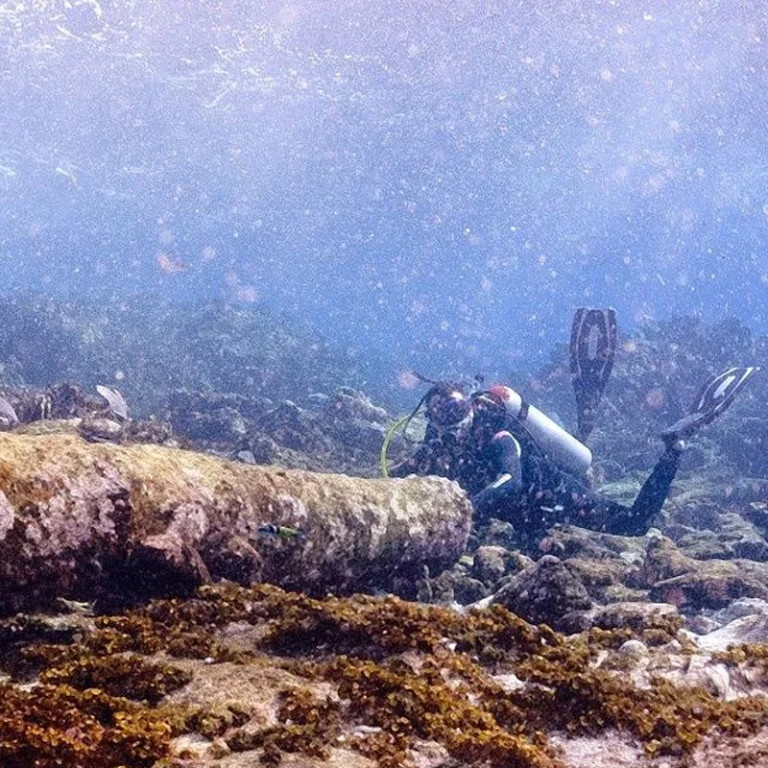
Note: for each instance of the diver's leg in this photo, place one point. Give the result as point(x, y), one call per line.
point(602, 514)
point(655, 489)
point(716, 395)
point(555, 496)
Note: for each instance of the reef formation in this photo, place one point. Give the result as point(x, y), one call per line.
point(178, 590)
point(236, 676)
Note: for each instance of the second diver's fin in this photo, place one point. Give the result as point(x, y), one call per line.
point(715, 396)
point(593, 347)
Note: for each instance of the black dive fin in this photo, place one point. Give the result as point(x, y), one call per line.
point(593, 347)
point(715, 396)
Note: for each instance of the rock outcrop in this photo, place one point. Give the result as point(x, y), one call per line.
point(86, 520)
point(545, 592)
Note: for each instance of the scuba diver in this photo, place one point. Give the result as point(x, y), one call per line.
point(519, 465)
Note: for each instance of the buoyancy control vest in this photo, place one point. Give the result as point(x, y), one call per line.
point(556, 443)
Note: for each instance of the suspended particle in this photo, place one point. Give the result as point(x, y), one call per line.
point(654, 398)
point(408, 380)
point(247, 293)
point(170, 265)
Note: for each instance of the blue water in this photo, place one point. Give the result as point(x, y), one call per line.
point(434, 184)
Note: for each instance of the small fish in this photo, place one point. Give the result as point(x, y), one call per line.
point(282, 531)
point(67, 173)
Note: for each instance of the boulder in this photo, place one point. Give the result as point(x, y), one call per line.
point(746, 606)
point(602, 578)
point(457, 586)
point(730, 535)
point(544, 593)
point(746, 629)
point(295, 428)
point(81, 519)
point(663, 560)
point(491, 563)
point(713, 585)
point(349, 405)
point(570, 541)
point(704, 545)
point(745, 538)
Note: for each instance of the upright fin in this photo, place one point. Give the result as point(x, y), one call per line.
point(715, 396)
point(593, 348)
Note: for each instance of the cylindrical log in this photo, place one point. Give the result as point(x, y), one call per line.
point(79, 519)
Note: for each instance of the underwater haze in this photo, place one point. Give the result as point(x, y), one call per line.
point(432, 184)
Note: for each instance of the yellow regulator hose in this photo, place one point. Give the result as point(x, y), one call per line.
point(387, 440)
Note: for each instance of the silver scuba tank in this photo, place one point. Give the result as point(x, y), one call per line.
point(560, 446)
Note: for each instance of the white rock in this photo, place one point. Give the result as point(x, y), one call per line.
point(745, 606)
point(747, 629)
point(633, 649)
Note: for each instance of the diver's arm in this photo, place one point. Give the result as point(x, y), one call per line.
point(506, 456)
point(508, 480)
point(425, 460)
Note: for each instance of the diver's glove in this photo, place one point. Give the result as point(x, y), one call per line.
point(500, 490)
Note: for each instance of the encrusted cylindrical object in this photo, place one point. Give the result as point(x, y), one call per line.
point(78, 519)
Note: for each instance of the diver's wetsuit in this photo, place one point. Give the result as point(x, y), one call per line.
point(534, 493)
point(543, 494)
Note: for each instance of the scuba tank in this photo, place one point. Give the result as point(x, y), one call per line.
point(559, 446)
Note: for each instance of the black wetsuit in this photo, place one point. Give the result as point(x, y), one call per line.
point(547, 495)
point(538, 493)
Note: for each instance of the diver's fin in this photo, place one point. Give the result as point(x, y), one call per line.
point(715, 396)
point(593, 347)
